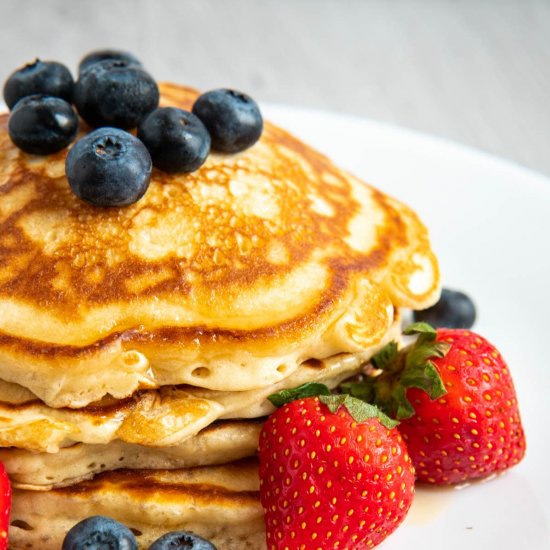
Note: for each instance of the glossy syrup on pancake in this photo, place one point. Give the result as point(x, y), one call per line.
point(226, 278)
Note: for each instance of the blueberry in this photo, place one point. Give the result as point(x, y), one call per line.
point(177, 140)
point(115, 93)
point(39, 77)
point(101, 55)
point(454, 310)
point(109, 167)
point(99, 533)
point(233, 119)
point(181, 540)
point(42, 125)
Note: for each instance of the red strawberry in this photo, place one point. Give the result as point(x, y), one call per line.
point(464, 422)
point(332, 475)
point(475, 429)
point(5, 506)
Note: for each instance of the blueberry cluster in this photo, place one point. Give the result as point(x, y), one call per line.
point(99, 532)
point(114, 94)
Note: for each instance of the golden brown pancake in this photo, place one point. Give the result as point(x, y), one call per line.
point(222, 442)
point(220, 503)
point(227, 278)
point(157, 418)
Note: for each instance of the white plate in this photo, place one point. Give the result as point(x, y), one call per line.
point(489, 222)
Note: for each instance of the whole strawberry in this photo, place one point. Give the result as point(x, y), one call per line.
point(457, 404)
point(332, 475)
point(5, 507)
point(475, 429)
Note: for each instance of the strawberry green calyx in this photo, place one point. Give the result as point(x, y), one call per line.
point(359, 410)
point(386, 357)
point(309, 389)
point(401, 370)
point(419, 371)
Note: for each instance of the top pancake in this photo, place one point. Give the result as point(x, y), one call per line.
point(226, 278)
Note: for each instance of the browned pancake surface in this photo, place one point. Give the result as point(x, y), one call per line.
point(220, 503)
point(272, 255)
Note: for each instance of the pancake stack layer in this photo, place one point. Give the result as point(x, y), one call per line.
point(138, 345)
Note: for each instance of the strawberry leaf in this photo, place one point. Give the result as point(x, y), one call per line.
point(402, 407)
point(411, 367)
point(423, 329)
point(309, 389)
point(359, 410)
point(422, 351)
point(363, 390)
point(386, 356)
point(334, 402)
point(425, 377)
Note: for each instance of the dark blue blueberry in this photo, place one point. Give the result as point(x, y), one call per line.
point(181, 540)
point(176, 139)
point(99, 533)
point(39, 77)
point(115, 93)
point(109, 167)
point(233, 119)
point(101, 55)
point(454, 310)
point(42, 125)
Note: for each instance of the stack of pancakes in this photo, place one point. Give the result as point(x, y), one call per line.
point(138, 345)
